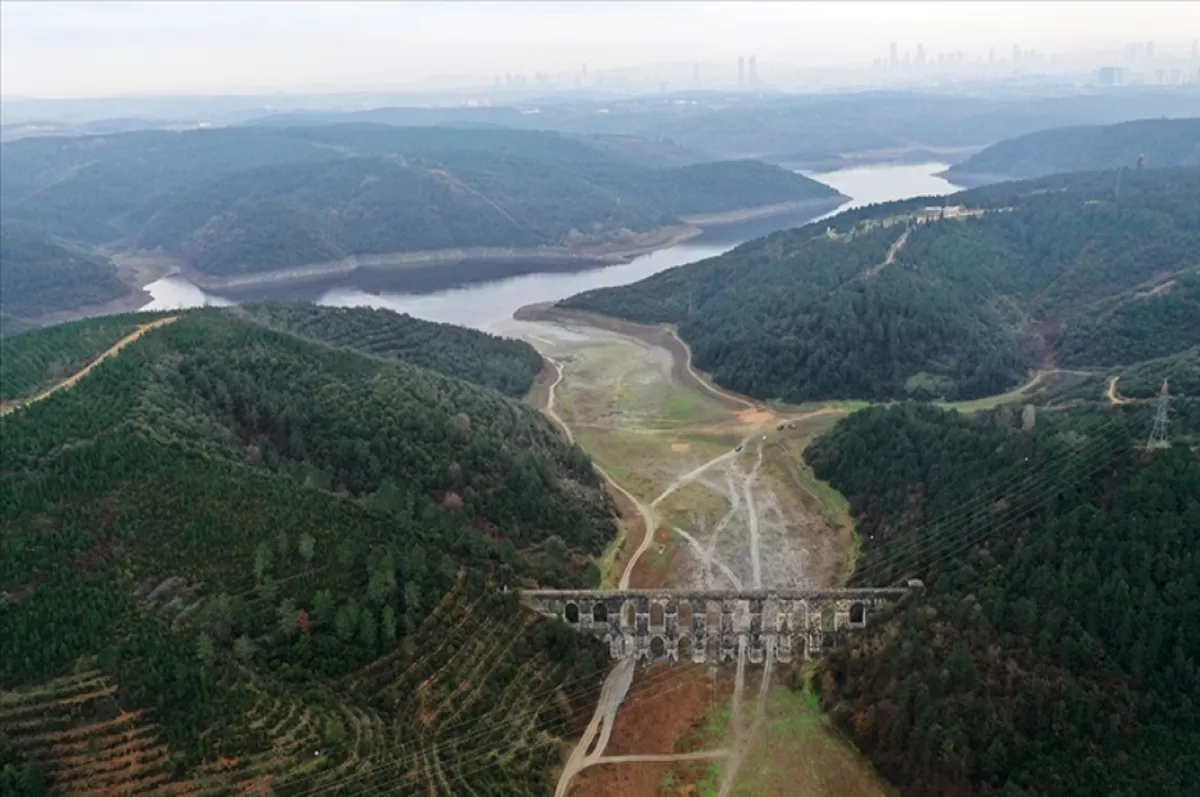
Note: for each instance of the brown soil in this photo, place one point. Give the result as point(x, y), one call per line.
point(755, 417)
point(679, 447)
point(656, 714)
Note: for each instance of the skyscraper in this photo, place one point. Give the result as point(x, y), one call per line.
point(696, 74)
point(893, 56)
point(920, 55)
point(753, 77)
point(741, 71)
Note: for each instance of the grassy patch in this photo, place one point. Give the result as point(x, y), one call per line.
point(608, 560)
point(798, 751)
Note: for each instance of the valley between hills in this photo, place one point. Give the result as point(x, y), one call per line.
point(281, 547)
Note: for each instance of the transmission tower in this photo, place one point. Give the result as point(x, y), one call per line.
point(1158, 434)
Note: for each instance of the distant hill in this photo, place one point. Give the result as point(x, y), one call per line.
point(814, 130)
point(242, 200)
point(40, 274)
point(1149, 143)
point(894, 301)
point(231, 556)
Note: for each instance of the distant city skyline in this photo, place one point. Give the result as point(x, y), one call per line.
point(95, 49)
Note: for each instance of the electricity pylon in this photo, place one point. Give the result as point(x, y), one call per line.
point(1158, 434)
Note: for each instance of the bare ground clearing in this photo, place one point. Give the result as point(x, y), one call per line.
point(720, 482)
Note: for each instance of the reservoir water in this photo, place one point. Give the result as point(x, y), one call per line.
point(490, 304)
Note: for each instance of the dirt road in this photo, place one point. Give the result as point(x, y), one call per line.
point(890, 257)
point(612, 693)
point(80, 374)
point(745, 535)
point(649, 519)
point(724, 395)
point(1111, 393)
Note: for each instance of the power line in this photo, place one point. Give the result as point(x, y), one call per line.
point(1162, 419)
point(1109, 436)
point(980, 506)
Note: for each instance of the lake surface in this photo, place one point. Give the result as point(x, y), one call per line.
point(490, 304)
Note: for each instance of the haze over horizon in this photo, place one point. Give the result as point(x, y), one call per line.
point(103, 49)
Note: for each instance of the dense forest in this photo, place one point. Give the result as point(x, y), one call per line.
point(240, 200)
point(1054, 651)
point(248, 550)
point(33, 361)
point(1182, 370)
point(39, 274)
point(505, 364)
point(1144, 143)
point(952, 298)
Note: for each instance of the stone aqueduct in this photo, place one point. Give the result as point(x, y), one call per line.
point(705, 625)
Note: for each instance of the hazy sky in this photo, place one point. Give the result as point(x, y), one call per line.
point(53, 49)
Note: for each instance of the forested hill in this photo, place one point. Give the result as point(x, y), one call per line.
point(33, 362)
point(1145, 143)
point(247, 551)
point(40, 274)
point(241, 200)
point(505, 364)
point(901, 300)
point(1054, 652)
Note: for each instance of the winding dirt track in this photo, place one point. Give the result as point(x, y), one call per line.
point(720, 393)
point(81, 373)
point(1113, 398)
point(649, 519)
point(590, 749)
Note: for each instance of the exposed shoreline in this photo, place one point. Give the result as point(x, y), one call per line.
point(595, 254)
point(974, 179)
point(602, 254)
point(766, 211)
point(138, 269)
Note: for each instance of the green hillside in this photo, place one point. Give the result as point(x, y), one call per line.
point(32, 362)
point(1053, 653)
point(1158, 143)
point(1144, 380)
point(241, 200)
point(252, 558)
point(40, 274)
point(893, 300)
point(502, 363)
